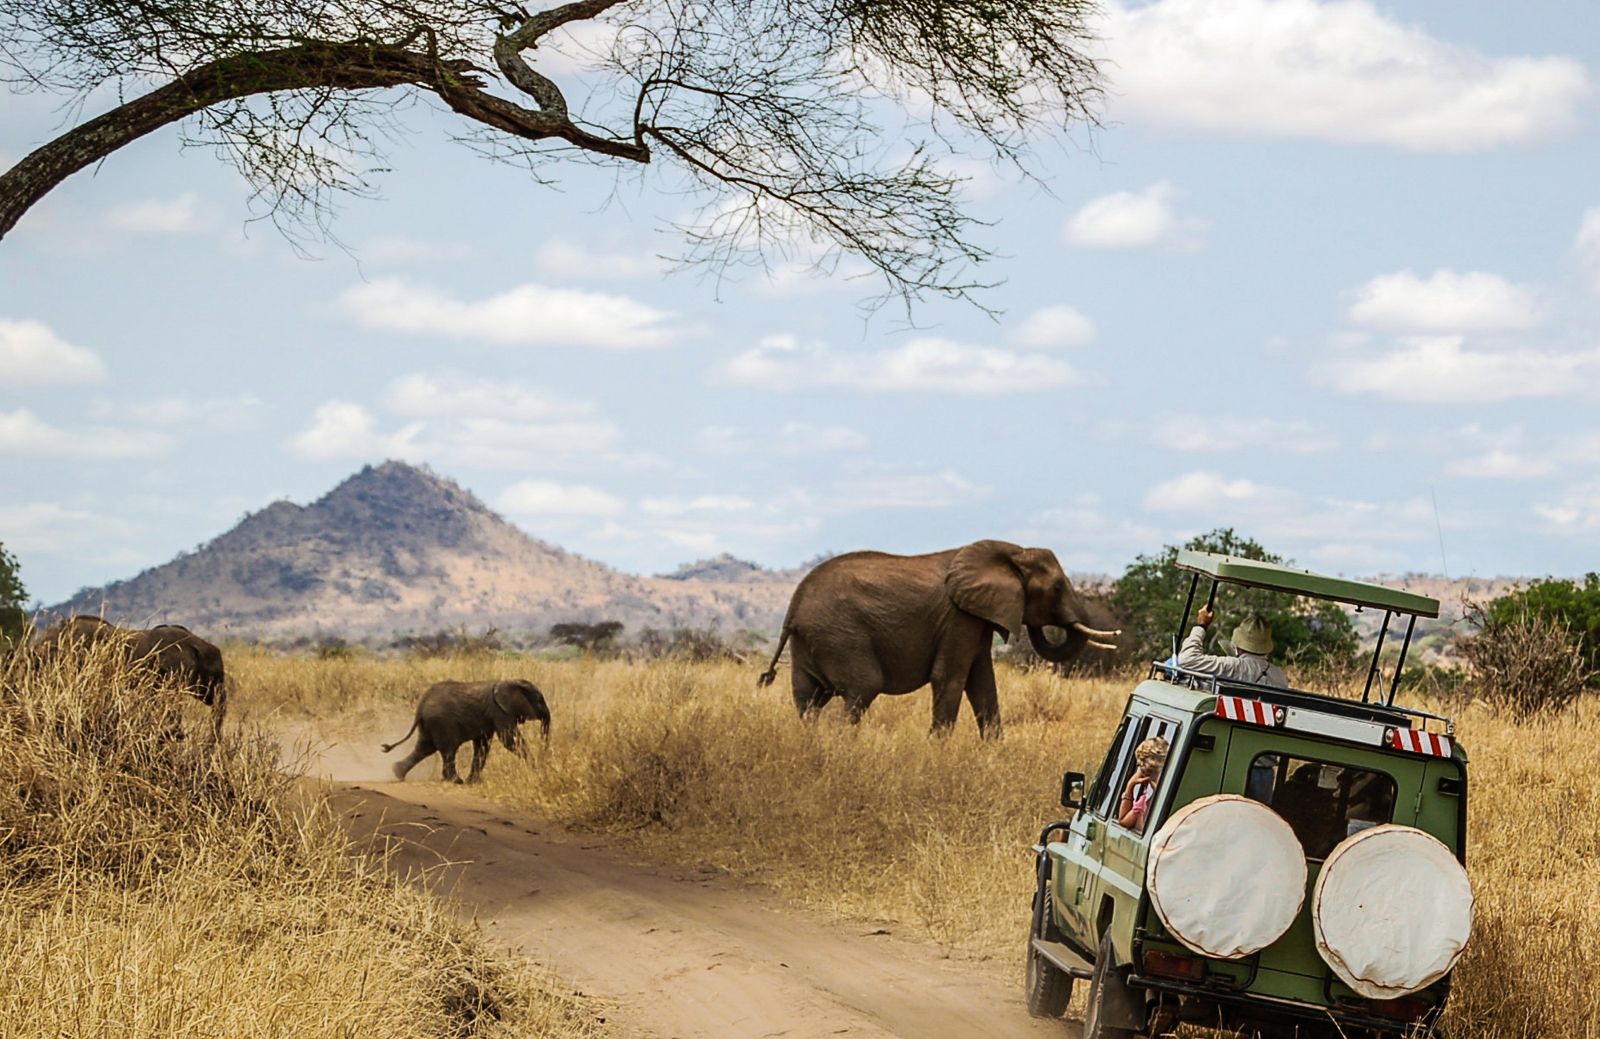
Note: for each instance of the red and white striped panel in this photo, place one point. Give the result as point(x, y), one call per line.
point(1419, 742)
point(1239, 709)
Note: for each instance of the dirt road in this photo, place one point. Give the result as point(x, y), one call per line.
point(682, 954)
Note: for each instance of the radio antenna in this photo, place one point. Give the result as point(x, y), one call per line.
point(1439, 527)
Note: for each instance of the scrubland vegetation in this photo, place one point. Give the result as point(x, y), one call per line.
point(929, 836)
point(153, 885)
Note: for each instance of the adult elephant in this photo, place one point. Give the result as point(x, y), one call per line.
point(174, 653)
point(452, 713)
point(867, 623)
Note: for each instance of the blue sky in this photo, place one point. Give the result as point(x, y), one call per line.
point(1324, 266)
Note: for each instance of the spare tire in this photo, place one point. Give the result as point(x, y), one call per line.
point(1392, 911)
point(1226, 875)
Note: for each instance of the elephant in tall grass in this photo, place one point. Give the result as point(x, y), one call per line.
point(452, 713)
point(177, 655)
point(867, 623)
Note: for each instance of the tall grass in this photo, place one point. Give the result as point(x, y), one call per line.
point(154, 883)
point(929, 835)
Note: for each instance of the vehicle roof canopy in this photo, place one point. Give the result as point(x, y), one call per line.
point(1254, 573)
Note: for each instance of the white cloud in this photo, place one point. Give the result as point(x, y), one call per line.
point(1441, 370)
point(1214, 434)
point(1340, 532)
point(1576, 512)
point(344, 430)
point(560, 259)
point(791, 438)
point(452, 394)
point(185, 214)
point(33, 355)
point(939, 490)
point(701, 503)
point(1444, 302)
point(1337, 71)
point(544, 498)
point(1587, 247)
point(923, 364)
point(1055, 325)
point(1201, 491)
point(48, 527)
point(340, 429)
point(528, 315)
point(1500, 464)
point(24, 433)
point(1134, 220)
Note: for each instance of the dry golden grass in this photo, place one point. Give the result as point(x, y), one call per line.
point(694, 763)
point(153, 886)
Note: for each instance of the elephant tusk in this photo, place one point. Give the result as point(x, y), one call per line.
point(1103, 645)
point(1094, 633)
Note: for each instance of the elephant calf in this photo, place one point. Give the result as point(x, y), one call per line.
point(453, 713)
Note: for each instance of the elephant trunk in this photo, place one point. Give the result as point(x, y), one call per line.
point(1063, 652)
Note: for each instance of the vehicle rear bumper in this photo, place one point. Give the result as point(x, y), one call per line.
point(1257, 1005)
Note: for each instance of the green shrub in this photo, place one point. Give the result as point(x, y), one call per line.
point(1575, 607)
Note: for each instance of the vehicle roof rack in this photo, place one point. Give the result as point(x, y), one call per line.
point(1278, 578)
point(1254, 573)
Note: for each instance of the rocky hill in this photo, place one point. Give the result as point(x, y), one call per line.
point(399, 549)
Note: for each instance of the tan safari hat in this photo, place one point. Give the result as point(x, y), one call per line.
point(1253, 635)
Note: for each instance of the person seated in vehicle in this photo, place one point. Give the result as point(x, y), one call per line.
point(1133, 811)
point(1252, 647)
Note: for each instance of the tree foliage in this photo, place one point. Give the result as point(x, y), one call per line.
point(1152, 591)
point(13, 597)
point(809, 129)
point(1572, 606)
point(590, 638)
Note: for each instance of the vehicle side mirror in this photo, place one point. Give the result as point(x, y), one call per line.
point(1072, 790)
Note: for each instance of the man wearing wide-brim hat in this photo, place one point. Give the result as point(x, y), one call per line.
point(1252, 648)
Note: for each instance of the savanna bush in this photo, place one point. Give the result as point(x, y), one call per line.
point(1524, 664)
point(157, 883)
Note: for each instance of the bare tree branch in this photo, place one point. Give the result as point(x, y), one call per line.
point(809, 129)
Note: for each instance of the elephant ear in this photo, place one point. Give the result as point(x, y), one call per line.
point(983, 581)
point(501, 700)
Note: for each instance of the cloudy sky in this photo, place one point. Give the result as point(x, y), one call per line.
point(1329, 273)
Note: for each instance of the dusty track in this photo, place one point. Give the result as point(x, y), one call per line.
point(680, 954)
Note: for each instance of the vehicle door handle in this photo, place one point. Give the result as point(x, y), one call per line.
point(1088, 830)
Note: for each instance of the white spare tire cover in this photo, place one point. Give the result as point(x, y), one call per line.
point(1392, 911)
point(1226, 875)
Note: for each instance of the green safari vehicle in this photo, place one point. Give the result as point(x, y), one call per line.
point(1300, 869)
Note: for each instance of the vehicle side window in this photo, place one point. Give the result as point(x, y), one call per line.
point(1104, 787)
point(1146, 728)
point(1323, 803)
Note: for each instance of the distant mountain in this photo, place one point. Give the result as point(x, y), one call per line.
point(731, 568)
point(396, 548)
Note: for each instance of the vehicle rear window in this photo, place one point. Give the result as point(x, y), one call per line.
point(1322, 802)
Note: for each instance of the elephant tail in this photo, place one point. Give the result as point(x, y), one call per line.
point(387, 747)
point(770, 675)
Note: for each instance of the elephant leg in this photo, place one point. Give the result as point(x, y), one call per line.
point(984, 697)
point(480, 754)
point(423, 748)
point(858, 704)
point(448, 756)
point(948, 683)
point(809, 694)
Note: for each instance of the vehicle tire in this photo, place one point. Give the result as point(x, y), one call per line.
point(1104, 980)
point(1049, 989)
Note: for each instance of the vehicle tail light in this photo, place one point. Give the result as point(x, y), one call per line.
point(1173, 965)
point(1407, 1008)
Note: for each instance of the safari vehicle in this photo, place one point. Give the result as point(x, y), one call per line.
point(1301, 869)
